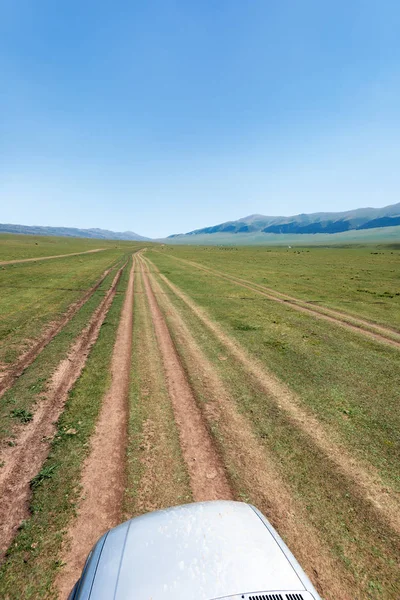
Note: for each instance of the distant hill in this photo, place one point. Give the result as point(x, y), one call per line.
point(376, 235)
point(101, 234)
point(315, 223)
point(362, 224)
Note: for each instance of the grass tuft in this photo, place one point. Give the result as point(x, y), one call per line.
point(47, 472)
point(23, 415)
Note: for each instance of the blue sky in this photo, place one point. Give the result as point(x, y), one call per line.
point(166, 116)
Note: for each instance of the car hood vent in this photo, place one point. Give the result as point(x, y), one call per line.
point(274, 596)
point(267, 597)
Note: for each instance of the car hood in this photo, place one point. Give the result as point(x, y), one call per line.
point(198, 551)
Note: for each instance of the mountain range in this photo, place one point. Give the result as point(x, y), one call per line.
point(328, 223)
point(258, 229)
point(101, 234)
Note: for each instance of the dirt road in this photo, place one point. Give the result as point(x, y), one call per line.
point(207, 475)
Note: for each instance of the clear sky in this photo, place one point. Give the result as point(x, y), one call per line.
point(163, 116)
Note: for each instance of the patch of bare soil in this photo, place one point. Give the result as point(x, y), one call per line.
point(366, 328)
point(256, 467)
point(364, 476)
point(103, 477)
point(24, 260)
point(206, 472)
point(10, 373)
point(23, 461)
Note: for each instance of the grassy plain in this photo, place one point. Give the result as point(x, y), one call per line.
point(362, 281)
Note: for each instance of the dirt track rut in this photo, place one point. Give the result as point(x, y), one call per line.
point(103, 477)
point(23, 461)
point(207, 474)
point(363, 327)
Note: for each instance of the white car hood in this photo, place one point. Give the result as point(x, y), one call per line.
point(195, 552)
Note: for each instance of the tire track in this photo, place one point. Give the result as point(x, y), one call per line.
point(364, 476)
point(156, 472)
point(25, 260)
point(23, 462)
point(206, 472)
point(8, 376)
point(256, 465)
point(103, 475)
point(376, 332)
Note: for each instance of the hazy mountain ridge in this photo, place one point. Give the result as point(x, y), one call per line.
point(252, 226)
point(95, 233)
point(330, 222)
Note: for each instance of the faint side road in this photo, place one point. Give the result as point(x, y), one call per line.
point(24, 260)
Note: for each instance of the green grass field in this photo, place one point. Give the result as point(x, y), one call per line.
point(363, 281)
